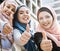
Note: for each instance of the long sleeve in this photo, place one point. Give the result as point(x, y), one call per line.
point(17, 36)
point(2, 23)
point(38, 39)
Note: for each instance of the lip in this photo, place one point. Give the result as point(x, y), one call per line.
point(46, 24)
point(7, 14)
point(25, 18)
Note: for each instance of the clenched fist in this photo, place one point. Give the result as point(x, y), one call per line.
point(46, 45)
point(7, 29)
point(25, 36)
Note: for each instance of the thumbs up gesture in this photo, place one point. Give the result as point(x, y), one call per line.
point(7, 29)
point(25, 36)
point(46, 45)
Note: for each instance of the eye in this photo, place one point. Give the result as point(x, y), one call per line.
point(13, 10)
point(47, 16)
point(21, 12)
point(8, 6)
point(27, 12)
point(40, 18)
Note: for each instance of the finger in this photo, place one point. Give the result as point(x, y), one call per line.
point(9, 26)
point(28, 35)
point(23, 41)
point(5, 32)
point(27, 28)
point(44, 35)
point(24, 37)
point(10, 19)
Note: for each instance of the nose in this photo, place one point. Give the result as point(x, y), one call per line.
point(9, 11)
point(44, 20)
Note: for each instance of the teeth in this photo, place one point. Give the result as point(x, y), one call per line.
point(26, 18)
point(45, 24)
point(7, 14)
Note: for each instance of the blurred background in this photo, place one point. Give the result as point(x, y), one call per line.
point(34, 5)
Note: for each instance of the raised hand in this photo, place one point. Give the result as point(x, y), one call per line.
point(7, 29)
point(11, 20)
point(25, 36)
point(46, 45)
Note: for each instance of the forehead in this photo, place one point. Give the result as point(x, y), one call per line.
point(10, 4)
point(23, 9)
point(44, 13)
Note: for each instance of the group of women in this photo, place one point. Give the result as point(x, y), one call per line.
point(15, 29)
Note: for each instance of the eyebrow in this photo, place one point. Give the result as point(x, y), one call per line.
point(23, 11)
point(46, 15)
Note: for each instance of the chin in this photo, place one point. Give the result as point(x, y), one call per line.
point(26, 23)
point(47, 27)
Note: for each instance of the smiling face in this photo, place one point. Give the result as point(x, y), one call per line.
point(23, 15)
point(8, 10)
point(45, 19)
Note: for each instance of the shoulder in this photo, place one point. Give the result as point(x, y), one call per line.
point(15, 30)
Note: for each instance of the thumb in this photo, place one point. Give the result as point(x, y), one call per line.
point(44, 35)
point(10, 19)
point(27, 28)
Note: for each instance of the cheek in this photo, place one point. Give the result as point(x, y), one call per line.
point(12, 13)
point(28, 17)
point(19, 18)
point(4, 8)
point(50, 19)
point(40, 21)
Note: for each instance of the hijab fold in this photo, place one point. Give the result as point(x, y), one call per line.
point(54, 30)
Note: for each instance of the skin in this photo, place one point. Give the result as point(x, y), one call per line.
point(8, 11)
point(23, 15)
point(45, 20)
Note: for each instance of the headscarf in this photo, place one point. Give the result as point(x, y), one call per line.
point(54, 30)
point(2, 16)
point(9, 2)
point(30, 46)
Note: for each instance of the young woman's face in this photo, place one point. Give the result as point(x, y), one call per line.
point(23, 15)
point(45, 19)
point(8, 10)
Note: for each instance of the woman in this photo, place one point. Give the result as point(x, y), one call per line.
point(48, 23)
point(7, 10)
point(22, 34)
